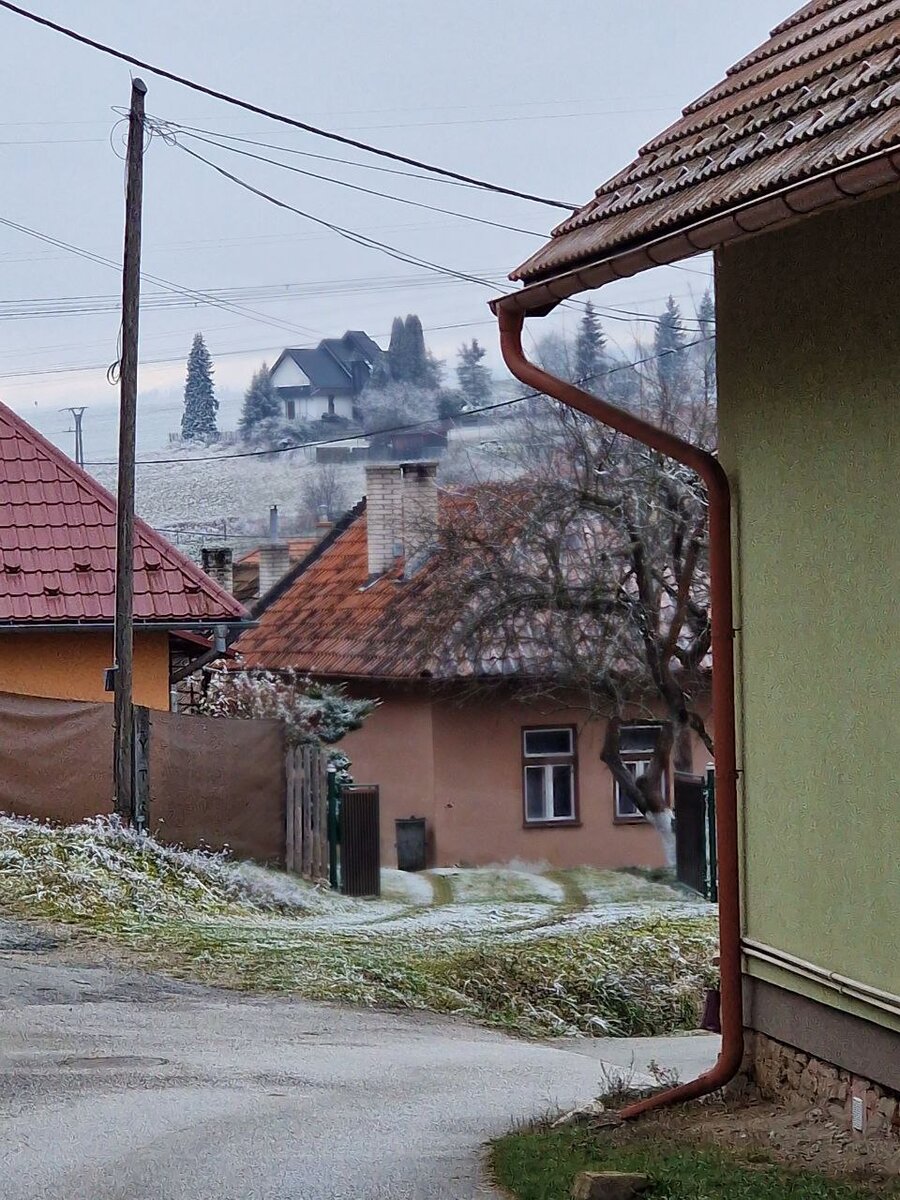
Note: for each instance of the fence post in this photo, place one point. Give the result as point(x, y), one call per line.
point(333, 830)
point(290, 832)
point(141, 787)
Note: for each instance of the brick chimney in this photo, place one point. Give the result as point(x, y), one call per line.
point(274, 564)
point(218, 563)
point(401, 506)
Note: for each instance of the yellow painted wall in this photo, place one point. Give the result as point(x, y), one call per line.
point(809, 384)
point(70, 666)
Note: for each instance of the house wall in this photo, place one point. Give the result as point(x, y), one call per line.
point(313, 408)
point(460, 767)
point(394, 749)
point(809, 364)
point(288, 374)
point(70, 666)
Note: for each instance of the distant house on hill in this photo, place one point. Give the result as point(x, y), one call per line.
point(328, 380)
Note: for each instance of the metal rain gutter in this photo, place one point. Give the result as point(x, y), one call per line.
point(712, 473)
point(777, 207)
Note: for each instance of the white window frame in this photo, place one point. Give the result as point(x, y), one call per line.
point(636, 762)
point(545, 762)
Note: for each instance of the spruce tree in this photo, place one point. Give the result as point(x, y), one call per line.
point(474, 377)
point(200, 403)
point(261, 402)
point(590, 346)
point(668, 344)
point(396, 351)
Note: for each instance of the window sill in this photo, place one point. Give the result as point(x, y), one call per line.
point(554, 823)
point(636, 820)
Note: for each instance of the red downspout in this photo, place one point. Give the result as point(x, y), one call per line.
point(713, 475)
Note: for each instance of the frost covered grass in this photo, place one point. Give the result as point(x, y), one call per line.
point(495, 945)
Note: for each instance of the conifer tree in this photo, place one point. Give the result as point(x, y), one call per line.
point(473, 376)
point(261, 402)
point(200, 403)
point(590, 346)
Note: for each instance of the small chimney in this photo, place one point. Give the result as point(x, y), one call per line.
point(218, 563)
point(401, 507)
point(384, 515)
point(273, 523)
point(274, 564)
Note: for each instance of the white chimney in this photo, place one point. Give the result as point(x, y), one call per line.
point(218, 563)
point(401, 507)
point(274, 564)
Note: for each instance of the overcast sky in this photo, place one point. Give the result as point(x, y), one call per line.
point(540, 95)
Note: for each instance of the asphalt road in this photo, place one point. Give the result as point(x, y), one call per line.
point(122, 1086)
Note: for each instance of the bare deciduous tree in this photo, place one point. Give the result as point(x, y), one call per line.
point(323, 493)
point(585, 575)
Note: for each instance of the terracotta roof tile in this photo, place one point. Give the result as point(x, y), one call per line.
point(57, 546)
point(822, 92)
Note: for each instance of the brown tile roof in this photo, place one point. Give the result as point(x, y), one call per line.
point(324, 619)
point(58, 547)
point(822, 93)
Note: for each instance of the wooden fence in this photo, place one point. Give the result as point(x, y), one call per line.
point(306, 771)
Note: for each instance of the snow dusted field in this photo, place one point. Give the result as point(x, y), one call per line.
point(537, 952)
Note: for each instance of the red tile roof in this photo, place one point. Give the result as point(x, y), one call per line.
point(324, 619)
point(822, 93)
point(57, 547)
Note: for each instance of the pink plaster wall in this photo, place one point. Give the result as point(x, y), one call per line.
point(460, 767)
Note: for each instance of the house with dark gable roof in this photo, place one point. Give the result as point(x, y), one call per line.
point(57, 583)
point(327, 380)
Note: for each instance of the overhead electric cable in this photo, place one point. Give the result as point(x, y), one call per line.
point(226, 98)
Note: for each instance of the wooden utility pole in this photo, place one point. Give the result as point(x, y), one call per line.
point(123, 747)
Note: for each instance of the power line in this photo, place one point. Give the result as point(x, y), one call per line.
point(167, 284)
point(352, 437)
point(384, 247)
point(167, 126)
point(274, 116)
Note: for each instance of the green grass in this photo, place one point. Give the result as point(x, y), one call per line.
point(202, 917)
point(542, 1165)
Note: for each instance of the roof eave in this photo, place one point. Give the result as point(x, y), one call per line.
point(840, 185)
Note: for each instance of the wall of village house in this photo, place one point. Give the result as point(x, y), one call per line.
point(808, 360)
point(394, 750)
point(460, 767)
point(70, 666)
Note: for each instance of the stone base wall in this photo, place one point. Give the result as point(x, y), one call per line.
point(790, 1076)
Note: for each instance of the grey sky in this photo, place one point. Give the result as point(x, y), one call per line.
point(546, 96)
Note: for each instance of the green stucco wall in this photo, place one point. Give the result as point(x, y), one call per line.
point(809, 383)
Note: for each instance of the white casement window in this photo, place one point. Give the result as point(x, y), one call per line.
point(636, 746)
point(549, 774)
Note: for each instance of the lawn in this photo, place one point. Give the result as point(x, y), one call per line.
point(542, 1165)
point(536, 953)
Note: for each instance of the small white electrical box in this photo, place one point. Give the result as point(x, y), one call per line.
point(858, 1113)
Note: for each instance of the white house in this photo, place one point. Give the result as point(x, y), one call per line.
point(328, 380)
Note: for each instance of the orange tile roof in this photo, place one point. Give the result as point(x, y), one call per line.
point(324, 619)
point(58, 547)
point(822, 93)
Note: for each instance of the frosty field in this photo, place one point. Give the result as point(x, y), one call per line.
point(541, 953)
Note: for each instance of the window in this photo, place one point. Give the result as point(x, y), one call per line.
point(548, 775)
point(636, 746)
point(331, 406)
point(290, 410)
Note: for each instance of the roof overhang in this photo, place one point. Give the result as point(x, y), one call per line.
point(841, 185)
point(139, 626)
